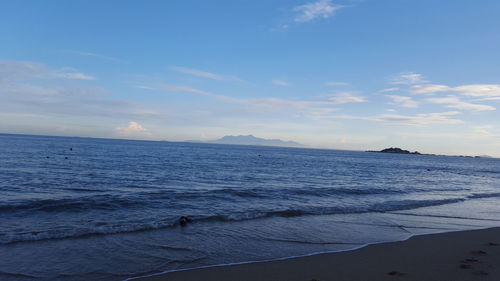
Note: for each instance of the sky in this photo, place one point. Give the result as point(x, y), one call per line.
point(343, 74)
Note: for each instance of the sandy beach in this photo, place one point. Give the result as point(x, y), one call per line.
point(454, 256)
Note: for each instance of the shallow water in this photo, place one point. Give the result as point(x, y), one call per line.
point(95, 209)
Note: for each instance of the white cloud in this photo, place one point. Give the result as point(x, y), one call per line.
point(279, 82)
point(488, 99)
point(387, 90)
point(88, 54)
point(419, 119)
point(472, 90)
point(320, 9)
point(346, 98)
point(486, 131)
point(455, 102)
point(196, 72)
point(408, 78)
point(403, 101)
point(14, 70)
point(479, 90)
point(36, 88)
point(428, 89)
point(72, 74)
point(264, 105)
point(133, 129)
point(335, 84)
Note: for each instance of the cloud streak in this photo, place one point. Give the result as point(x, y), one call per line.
point(320, 9)
point(279, 82)
point(15, 70)
point(346, 98)
point(471, 90)
point(403, 101)
point(89, 54)
point(455, 102)
point(408, 78)
point(198, 73)
point(204, 74)
point(422, 119)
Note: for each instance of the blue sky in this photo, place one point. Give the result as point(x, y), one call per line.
point(368, 74)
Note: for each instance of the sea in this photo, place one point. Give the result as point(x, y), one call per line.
point(103, 209)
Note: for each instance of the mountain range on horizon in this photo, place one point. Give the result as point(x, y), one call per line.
point(252, 140)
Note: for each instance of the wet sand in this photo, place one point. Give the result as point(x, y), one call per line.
point(454, 256)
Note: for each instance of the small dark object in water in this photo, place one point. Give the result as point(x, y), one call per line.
point(465, 266)
point(183, 221)
point(71, 149)
point(428, 170)
point(492, 244)
point(469, 260)
point(395, 273)
point(480, 272)
point(47, 157)
point(479, 252)
point(65, 157)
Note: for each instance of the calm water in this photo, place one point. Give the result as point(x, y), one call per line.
point(94, 209)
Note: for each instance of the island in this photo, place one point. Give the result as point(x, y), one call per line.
point(395, 150)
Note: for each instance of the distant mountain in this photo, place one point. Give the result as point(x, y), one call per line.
point(251, 140)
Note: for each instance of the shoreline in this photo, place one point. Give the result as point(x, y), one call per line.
point(456, 255)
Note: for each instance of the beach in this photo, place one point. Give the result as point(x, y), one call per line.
point(453, 256)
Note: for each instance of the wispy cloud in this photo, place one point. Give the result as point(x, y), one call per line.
point(319, 9)
point(89, 54)
point(346, 98)
point(387, 90)
point(408, 78)
point(336, 84)
point(487, 131)
point(403, 101)
point(472, 90)
point(455, 102)
point(71, 73)
point(14, 70)
point(279, 82)
point(38, 89)
point(204, 74)
point(270, 104)
point(479, 90)
point(419, 119)
point(196, 72)
point(427, 89)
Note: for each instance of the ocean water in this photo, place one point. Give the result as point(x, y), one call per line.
point(99, 209)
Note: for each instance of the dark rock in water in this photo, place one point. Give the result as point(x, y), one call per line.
point(395, 150)
point(183, 221)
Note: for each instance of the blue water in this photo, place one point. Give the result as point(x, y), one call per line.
point(97, 209)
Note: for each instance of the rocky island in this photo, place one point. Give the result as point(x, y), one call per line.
point(395, 150)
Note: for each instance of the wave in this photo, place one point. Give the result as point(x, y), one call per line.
point(97, 202)
point(17, 275)
point(118, 202)
point(484, 195)
point(7, 238)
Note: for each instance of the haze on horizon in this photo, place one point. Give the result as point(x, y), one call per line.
point(344, 74)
